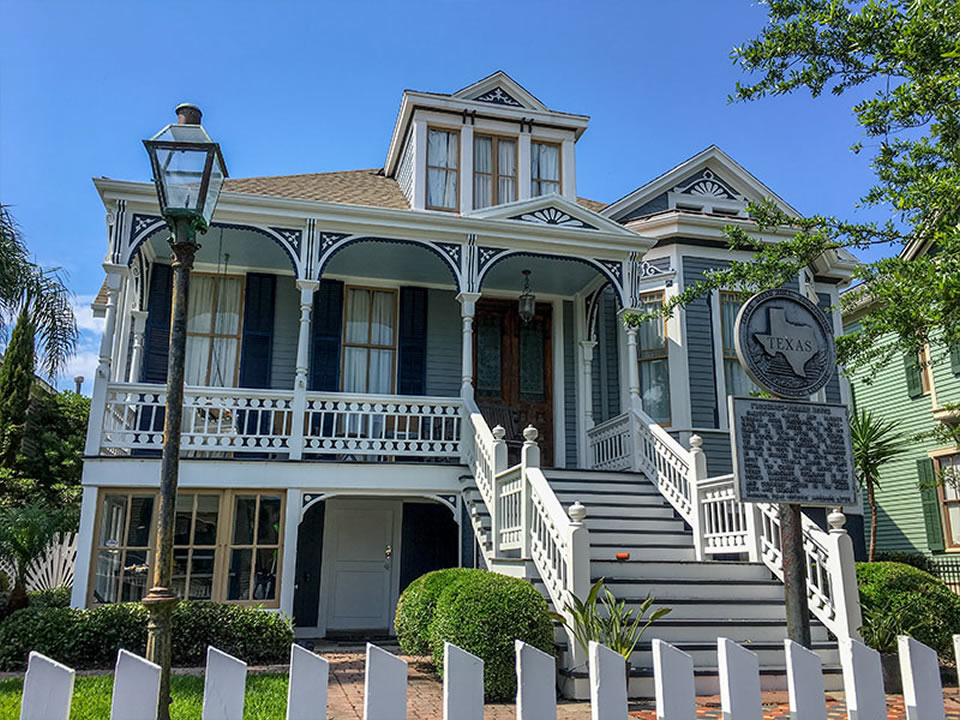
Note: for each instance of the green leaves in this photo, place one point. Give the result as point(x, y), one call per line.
point(875, 443)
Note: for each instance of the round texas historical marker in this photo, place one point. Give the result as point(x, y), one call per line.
point(786, 343)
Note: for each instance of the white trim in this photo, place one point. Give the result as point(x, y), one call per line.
point(580, 334)
point(466, 168)
point(559, 414)
point(419, 165)
point(719, 371)
point(288, 563)
point(81, 569)
point(677, 360)
point(509, 85)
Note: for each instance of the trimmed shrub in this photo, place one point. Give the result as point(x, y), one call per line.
point(55, 597)
point(416, 607)
point(924, 606)
point(87, 639)
point(483, 613)
point(917, 560)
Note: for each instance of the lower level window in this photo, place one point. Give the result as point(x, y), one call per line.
point(654, 368)
point(227, 545)
point(948, 475)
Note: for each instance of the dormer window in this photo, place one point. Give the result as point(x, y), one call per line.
point(544, 168)
point(494, 170)
point(443, 154)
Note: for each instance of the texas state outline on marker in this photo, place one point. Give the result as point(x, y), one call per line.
point(797, 343)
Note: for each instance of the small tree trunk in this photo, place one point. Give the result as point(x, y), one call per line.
point(18, 597)
point(872, 502)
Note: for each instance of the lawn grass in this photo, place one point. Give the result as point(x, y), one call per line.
point(266, 697)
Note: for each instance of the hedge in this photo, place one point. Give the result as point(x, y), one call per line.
point(925, 606)
point(416, 607)
point(483, 613)
point(87, 639)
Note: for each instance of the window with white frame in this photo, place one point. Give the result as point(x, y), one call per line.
point(494, 170)
point(654, 363)
point(736, 378)
point(443, 162)
point(544, 168)
point(214, 317)
point(369, 340)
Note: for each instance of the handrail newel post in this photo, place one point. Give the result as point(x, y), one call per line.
point(842, 570)
point(578, 585)
point(698, 472)
point(499, 465)
point(752, 514)
point(529, 458)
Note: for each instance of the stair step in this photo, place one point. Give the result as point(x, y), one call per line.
point(679, 570)
point(641, 551)
point(645, 538)
point(631, 487)
point(602, 510)
point(591, 497)
point(696, 589)
point(665, 525)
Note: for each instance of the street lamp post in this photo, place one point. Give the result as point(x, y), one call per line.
point(188, 171)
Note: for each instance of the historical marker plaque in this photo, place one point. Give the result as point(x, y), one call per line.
point(791, 452)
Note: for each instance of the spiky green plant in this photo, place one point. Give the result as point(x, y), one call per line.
point(25, 533)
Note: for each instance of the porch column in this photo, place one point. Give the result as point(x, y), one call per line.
point(586, 351)
point(288, 561)
point(81, 568)
point(103, 375)
point(136, 355)
point(633, 368)
point(468, 307)
point(307, 289)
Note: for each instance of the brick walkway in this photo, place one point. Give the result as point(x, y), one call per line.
point(425, 697)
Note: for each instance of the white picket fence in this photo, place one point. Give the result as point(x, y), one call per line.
point(53, 569)
point(48, 686)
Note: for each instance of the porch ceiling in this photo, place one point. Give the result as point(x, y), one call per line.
point(547, 275)
point(247, 249)
point(390, 261)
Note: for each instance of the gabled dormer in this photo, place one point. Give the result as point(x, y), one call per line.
point(488, 144)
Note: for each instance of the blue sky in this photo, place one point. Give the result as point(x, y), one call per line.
point(314, 86)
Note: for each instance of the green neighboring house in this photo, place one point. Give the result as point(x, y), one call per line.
point(916, 395)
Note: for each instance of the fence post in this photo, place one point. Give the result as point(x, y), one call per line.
point(385, 686)
point(805, 683)
point(842, 569)
point(578, 584)
point(499, 465)
point(136, 688)
point(462, 684)
point(47, 689)
point(920, 670)
point(608, 683)
point(862, 680)
point(536, 683)
point(739, 682)
point(529, 458)
point(673, 682)
point(307, 692)
point(698, 472)
point(223, 686)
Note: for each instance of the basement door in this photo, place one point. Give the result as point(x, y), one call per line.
point(514, 372)
point(361, 564)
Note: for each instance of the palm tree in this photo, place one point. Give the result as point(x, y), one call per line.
point(875, 443)
point(25, 532)
point(39, 295)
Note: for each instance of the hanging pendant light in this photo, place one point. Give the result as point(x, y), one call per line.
point(527, 300)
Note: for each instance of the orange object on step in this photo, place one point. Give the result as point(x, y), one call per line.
point(623, 556)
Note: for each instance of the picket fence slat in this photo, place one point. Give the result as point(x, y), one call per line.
point(674, 684)
point(922, 690)
point(536, 683)
point(608, 684)
point(462, 684)
point(805, 682)
point(47, 689)
point(862, 681)
point(136, 688)
point(307, 691)
point(48, 685)
point(385, 686)
point(223, 686)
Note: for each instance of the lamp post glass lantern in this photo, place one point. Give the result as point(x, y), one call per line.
point(188, 171)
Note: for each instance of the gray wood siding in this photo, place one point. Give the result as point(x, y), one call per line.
point(716, 446)
point(443, 343)
point(286, 330)
point(569, 385)
point(700, 357)
point(606, 361)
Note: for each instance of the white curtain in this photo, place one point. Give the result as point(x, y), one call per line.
point(215, 308)
point(358, 316)
point(199, 320)
point(544, 168)
point(735, 377)
point(226, 321)
point(655, 389)
point(371, 320)
point(483, 172)
point(381, 331)
point(507, 171)
point(442, 156)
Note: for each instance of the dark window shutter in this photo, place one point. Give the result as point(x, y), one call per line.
point(157, 331)
point(327, 326)
point(412, 337)
point(955, 359)
point(930, 502)
point(257, 349)
point(912, 369)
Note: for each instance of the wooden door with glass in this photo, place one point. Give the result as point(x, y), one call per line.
point(513, 373)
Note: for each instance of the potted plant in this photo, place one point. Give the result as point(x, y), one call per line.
point(603, 619)
point(882, 623)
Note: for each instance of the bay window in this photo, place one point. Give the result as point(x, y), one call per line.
point(369, 340)
point(494, 171)
point(544, 168)
point(443, 162)
point(652, 354)
point(227, 545)
point(735, 376)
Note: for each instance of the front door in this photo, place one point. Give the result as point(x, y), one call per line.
point(359, 560)
point(514, 371)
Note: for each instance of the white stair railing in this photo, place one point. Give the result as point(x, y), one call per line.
point(723, 525)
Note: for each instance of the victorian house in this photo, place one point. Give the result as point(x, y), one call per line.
point(424, 365)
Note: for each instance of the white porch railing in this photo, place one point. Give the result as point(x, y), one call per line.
point(723, 525)
point(220, 421)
